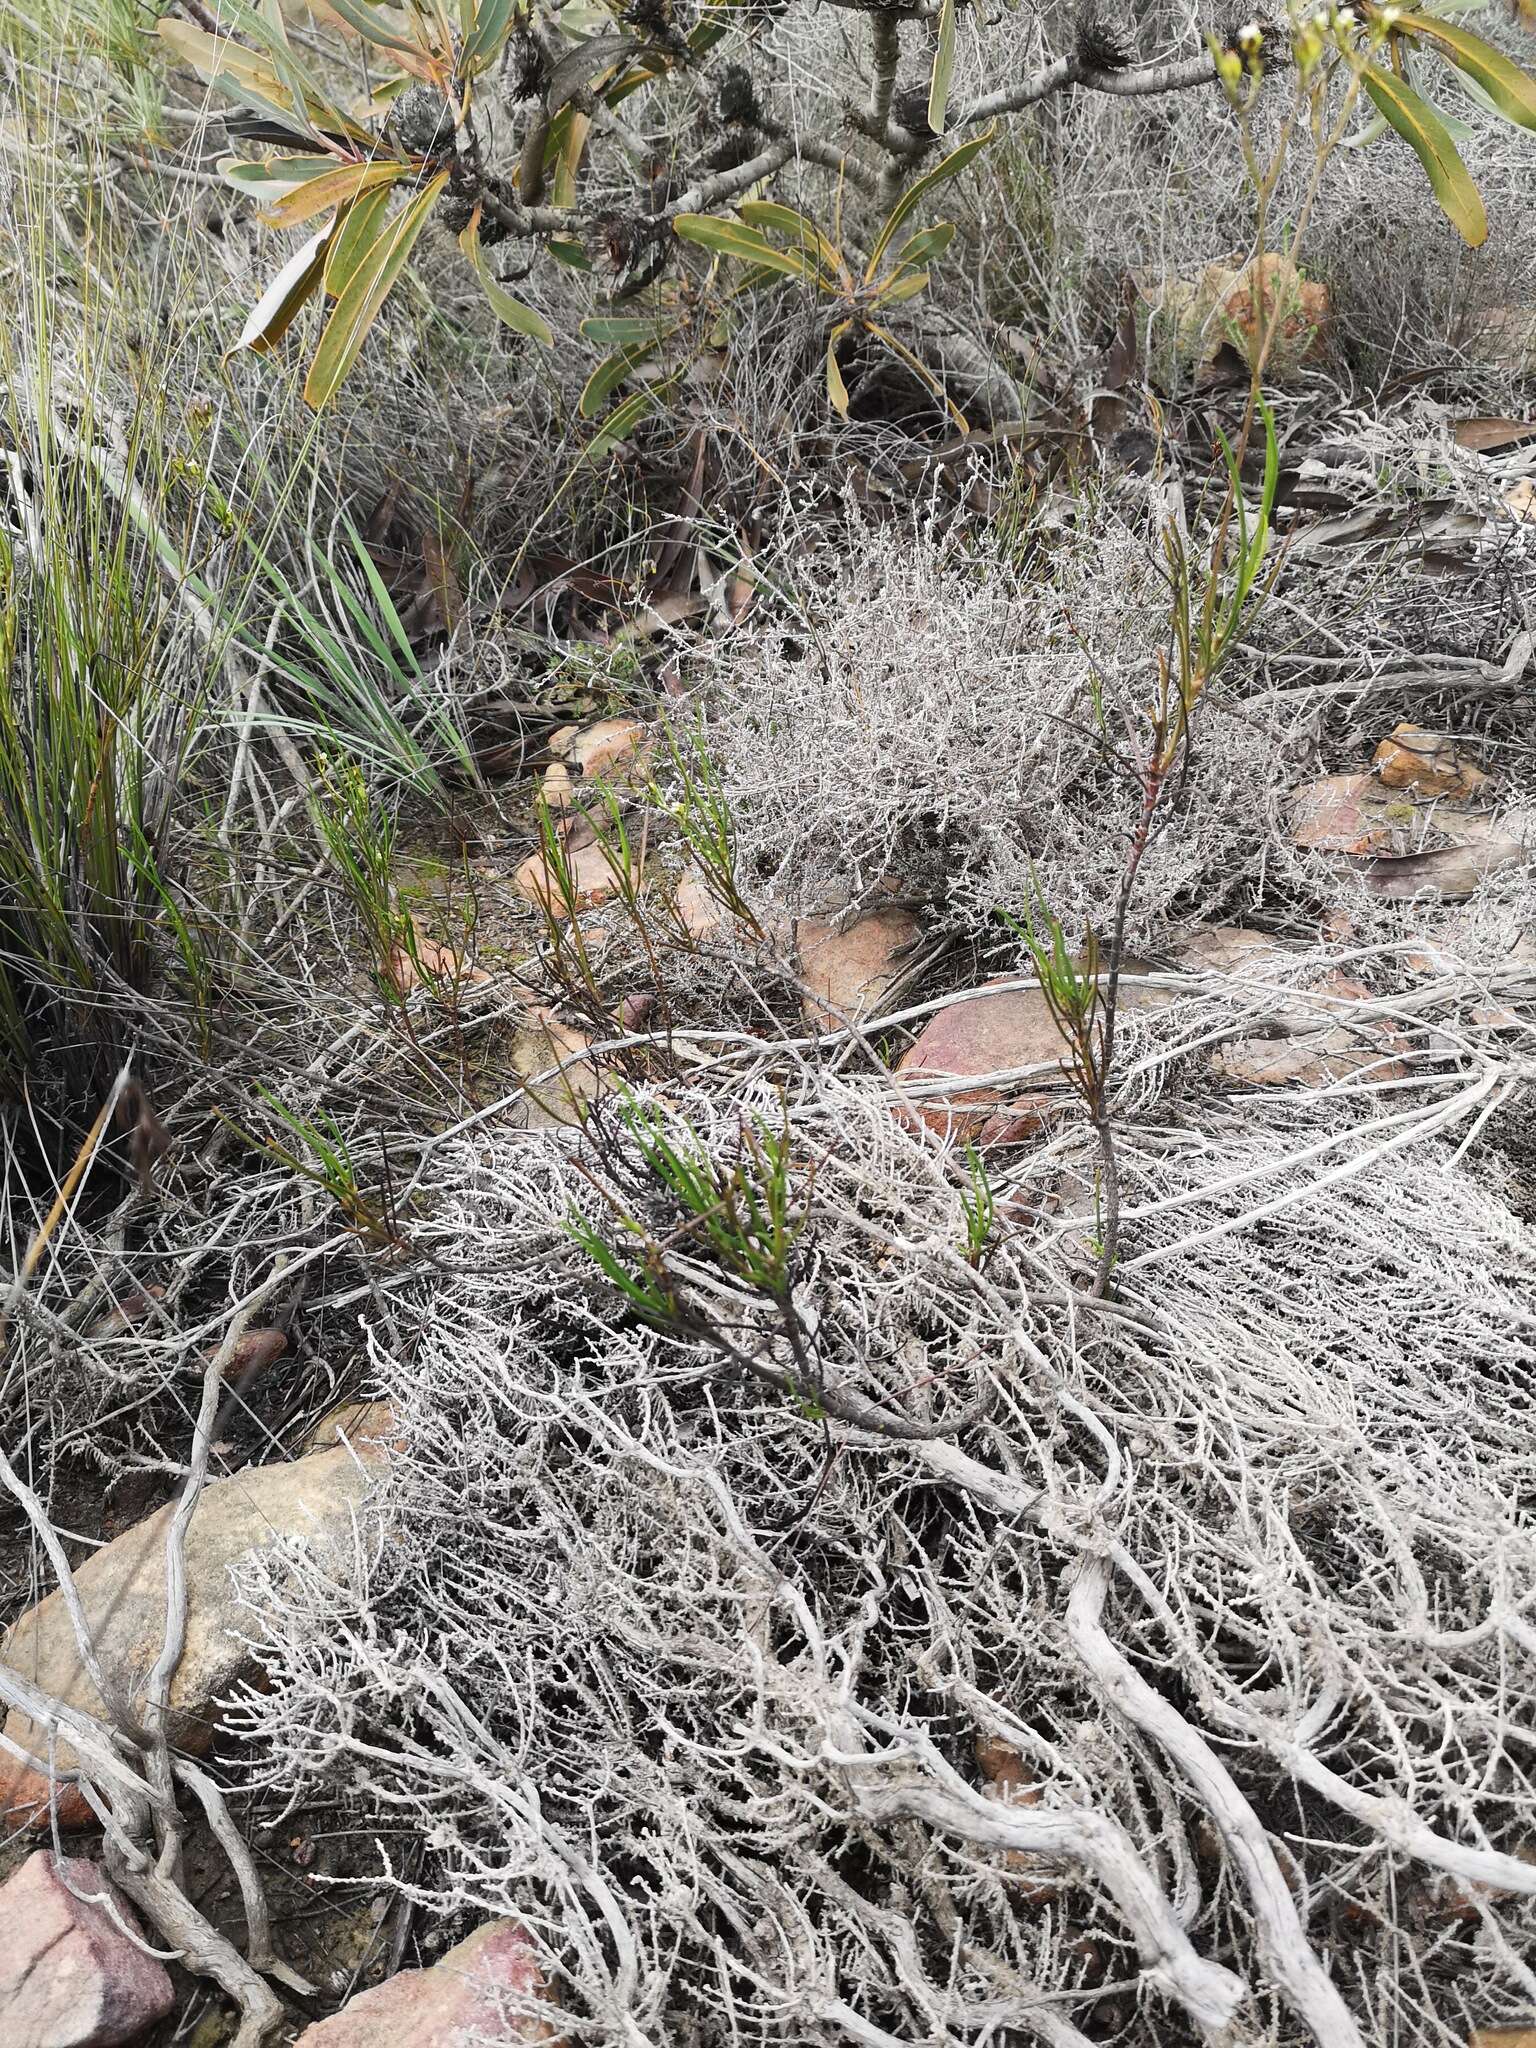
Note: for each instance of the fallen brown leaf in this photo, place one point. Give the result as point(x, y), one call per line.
point(1488, 432)
point(127, 1310)
point(1404, 845)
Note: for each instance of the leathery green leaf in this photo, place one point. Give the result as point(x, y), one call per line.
point(509, 311)
point(370, 284)
point(919, 189)
point(1512, 91)
point(734, 238)
point(1426, 134)
point(360, 228)
point(943, 69)
point(610, 373)
point(337, 187)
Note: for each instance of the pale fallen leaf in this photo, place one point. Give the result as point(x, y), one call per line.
point(1401, 844)
point(1313, 1059)
point(1312, 1041)
point(127, 1310)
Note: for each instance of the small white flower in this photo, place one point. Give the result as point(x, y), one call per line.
point(1249, 36)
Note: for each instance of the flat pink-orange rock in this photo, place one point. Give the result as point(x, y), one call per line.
point(69, 1976)
point(468, 1996)
point(984, 1034)
point(847, 971)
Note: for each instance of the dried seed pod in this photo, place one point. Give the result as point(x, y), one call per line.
point(455, 213)
point(422, 122)
point(1106, 40)
point(736, 100)
point(530, 69)
point(730, 152)
point(909, 110)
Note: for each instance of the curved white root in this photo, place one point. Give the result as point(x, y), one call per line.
point(1292, 1960)
point(1207, 1992)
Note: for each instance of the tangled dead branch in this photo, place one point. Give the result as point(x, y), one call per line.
point(1225, 1573)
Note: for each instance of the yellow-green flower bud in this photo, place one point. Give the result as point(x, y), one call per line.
point(1307, 48)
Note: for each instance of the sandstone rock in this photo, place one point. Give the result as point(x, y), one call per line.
point(366, 1425)
point(69, 1976)
point(1312, 1041)
point(613, 754)
point(849, 970)
point(122, 1589)
point(1414, 759)
point(254, 1352)
point(556, 787)
point(616, 750)
point(1349, 814)
point(593, 880)
point(698, 913)
point(551, 1057)
point(1006, 1773)
point(1006, 1033)
point(433, 962)
point(462, 1999)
